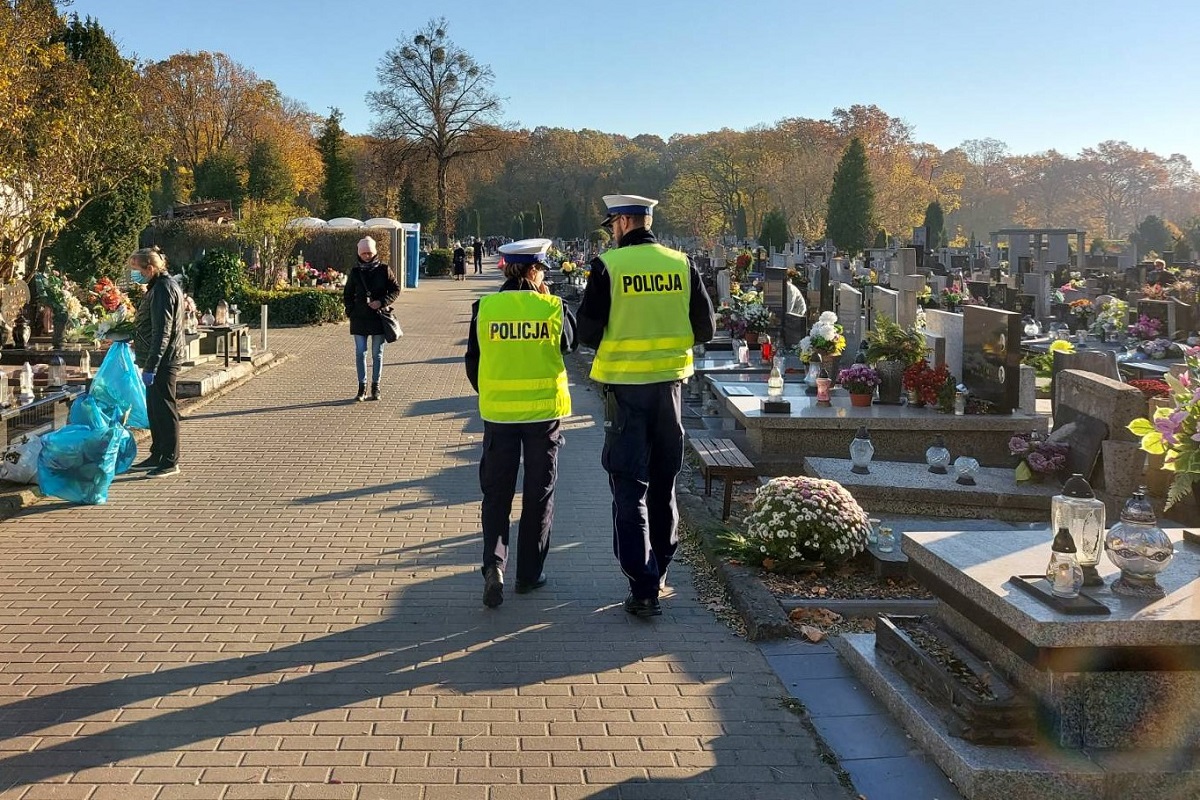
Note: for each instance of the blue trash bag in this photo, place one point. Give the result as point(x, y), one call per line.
point(87, 410)
point(118, 384)
point(77, 463)
point(127, 452)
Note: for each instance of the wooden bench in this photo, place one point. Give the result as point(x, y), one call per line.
point(721, 458)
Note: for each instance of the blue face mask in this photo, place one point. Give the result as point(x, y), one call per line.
point(136, 276)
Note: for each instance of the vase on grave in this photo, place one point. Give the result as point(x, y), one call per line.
point(891, 381)
point(860, 400)
point(751, 338)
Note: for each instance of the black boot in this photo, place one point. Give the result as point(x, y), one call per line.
point(374, 391)
point(362, 392)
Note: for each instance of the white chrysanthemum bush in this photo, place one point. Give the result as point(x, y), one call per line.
point(795, 521)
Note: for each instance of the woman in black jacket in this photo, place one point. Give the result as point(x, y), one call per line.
point(370, 287)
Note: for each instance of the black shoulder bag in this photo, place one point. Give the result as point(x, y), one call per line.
point(391, 325)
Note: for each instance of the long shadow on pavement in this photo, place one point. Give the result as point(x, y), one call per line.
point(436, 635)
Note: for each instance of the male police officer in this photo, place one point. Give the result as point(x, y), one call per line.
point(643, 309)
point(515, 361)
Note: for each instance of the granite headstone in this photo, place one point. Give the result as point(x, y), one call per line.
point(992, 356)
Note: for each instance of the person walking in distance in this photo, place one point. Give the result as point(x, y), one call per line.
point(643, 309)
point(371, 286)
point(477, 251)
point(514, 360)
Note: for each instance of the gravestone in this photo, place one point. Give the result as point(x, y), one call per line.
point(949, 326)
point(1028, 403)
point(775, 291)
point(992, 356)
point(1163, 311)
point(723, 284)
point(936, 284)
point(979, 289)
point(1100, 408)
point(885, 303)
point(936, 347)
point(1058, 249)
point(849, 313)
point(960, 263)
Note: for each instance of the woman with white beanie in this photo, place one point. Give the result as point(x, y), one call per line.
point(370, 287)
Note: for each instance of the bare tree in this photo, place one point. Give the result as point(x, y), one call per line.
point(436, 99)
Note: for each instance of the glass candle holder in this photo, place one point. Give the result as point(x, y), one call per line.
point(887, 539)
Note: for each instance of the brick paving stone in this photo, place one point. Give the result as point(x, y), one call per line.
point(303, 601)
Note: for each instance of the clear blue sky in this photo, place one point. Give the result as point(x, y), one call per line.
point(1062, 74)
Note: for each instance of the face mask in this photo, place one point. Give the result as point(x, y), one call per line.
point(136, 276)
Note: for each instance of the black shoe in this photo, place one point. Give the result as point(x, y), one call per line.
point(149, 463)
point(165, 471)
point(524, 587)
point(362, 392)
point(493, 587)
point(644, 607)
point(374, 392)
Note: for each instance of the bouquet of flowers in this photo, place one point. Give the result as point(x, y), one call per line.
point(796, 521)
point(745, 313)
point(1159, 348)
point(926, 381)
point(1075, 283)
point(1081, 308)
point(871, 278)
point(952, 295)
point(330, 277)
point(1172, 431)
point(1113, 312)
point(1145, 328)
point(1039, 457)
point(925, 295)
point(825, 339)
point(1151, 387)
point(567, 267)
point(1154, 291)
point(858, 379)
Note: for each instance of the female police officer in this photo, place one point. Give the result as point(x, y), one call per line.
point(514, 360)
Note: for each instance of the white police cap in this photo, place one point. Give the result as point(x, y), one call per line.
point(627, 204)
point(525, 251)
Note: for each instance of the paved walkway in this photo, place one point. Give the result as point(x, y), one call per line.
point(297, 615)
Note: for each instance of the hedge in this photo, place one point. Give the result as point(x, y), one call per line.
point(292, 306)
point(439, 263)
point(185, 241)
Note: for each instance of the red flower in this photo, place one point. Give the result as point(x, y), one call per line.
point(1151, 387)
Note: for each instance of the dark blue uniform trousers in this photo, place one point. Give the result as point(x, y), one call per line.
point(643, 453)
point(503, 446)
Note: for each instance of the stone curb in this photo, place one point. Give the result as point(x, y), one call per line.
point(862, 608)
point(19, 498)
point(761, 612)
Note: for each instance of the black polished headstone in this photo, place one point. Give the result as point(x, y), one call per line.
point(978, 289)
point(775, 291)
point(1027, 305)
point(1024, 264)
point(959, 263)
point(991, 358)
point(1160, 310)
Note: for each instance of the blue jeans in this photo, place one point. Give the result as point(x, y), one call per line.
point(360, 353)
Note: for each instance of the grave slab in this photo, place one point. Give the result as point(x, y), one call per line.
point(904, 488)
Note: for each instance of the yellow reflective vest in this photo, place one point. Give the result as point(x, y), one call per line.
point(648, 338)
point(522, 377)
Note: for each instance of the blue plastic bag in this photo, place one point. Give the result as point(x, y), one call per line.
point(77, 463)
point(87, 411)
point(118, 384)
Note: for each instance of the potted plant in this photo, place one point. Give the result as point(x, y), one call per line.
point(860, 381)
point(800, 523)
point(824, 343)
point(892, 348)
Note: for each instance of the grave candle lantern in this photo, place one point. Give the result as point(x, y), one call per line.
point(861, 451)
point(1078, 511)
point(58, 373)
point(1139, 548)
point(1063, 572)
point(965, 467)
point(937, 456)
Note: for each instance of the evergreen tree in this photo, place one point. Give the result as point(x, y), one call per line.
point(740, 230)
point(569, 226)
point(935, 226)
point(538, 222)
point(164, 196)
point(411, 207)
point(517, 231)
point(217, 178)
point(851, 201)
point(881, 239)
point(339, 190)
point(268, 178)
point(478, 226)
point(774, 230)
point(98, 242)
point(1153, 235)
